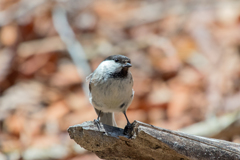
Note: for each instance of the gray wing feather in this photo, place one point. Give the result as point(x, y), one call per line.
point(88, 78)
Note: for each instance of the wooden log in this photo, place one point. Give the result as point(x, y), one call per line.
point(145, 141)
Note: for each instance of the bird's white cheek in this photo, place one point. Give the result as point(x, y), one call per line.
point(111, 66)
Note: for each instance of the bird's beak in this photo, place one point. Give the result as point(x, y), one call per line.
point(127, 65)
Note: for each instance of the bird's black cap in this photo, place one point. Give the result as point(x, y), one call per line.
point(119, 59)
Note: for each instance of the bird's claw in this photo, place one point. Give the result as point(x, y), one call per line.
point(128, 128)
point(97, 122)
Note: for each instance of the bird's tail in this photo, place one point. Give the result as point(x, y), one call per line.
point(108, 118)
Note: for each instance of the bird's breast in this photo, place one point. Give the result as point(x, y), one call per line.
point(112, 93)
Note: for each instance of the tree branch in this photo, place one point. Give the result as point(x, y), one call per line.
point(149, 142)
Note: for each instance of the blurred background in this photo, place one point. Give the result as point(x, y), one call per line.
point(185, 57)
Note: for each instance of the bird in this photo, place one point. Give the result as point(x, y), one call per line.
point(111, 89)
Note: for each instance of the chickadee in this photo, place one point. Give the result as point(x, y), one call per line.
point(110, 88)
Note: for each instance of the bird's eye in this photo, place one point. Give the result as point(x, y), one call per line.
point(116, 60)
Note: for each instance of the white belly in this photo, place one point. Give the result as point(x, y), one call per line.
point(115, 95)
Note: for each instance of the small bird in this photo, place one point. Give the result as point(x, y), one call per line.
point(110, 88)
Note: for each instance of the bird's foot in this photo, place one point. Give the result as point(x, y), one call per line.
point(128, 129)
point(97, 122)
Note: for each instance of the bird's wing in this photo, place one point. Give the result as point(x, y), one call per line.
point(89, 79)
